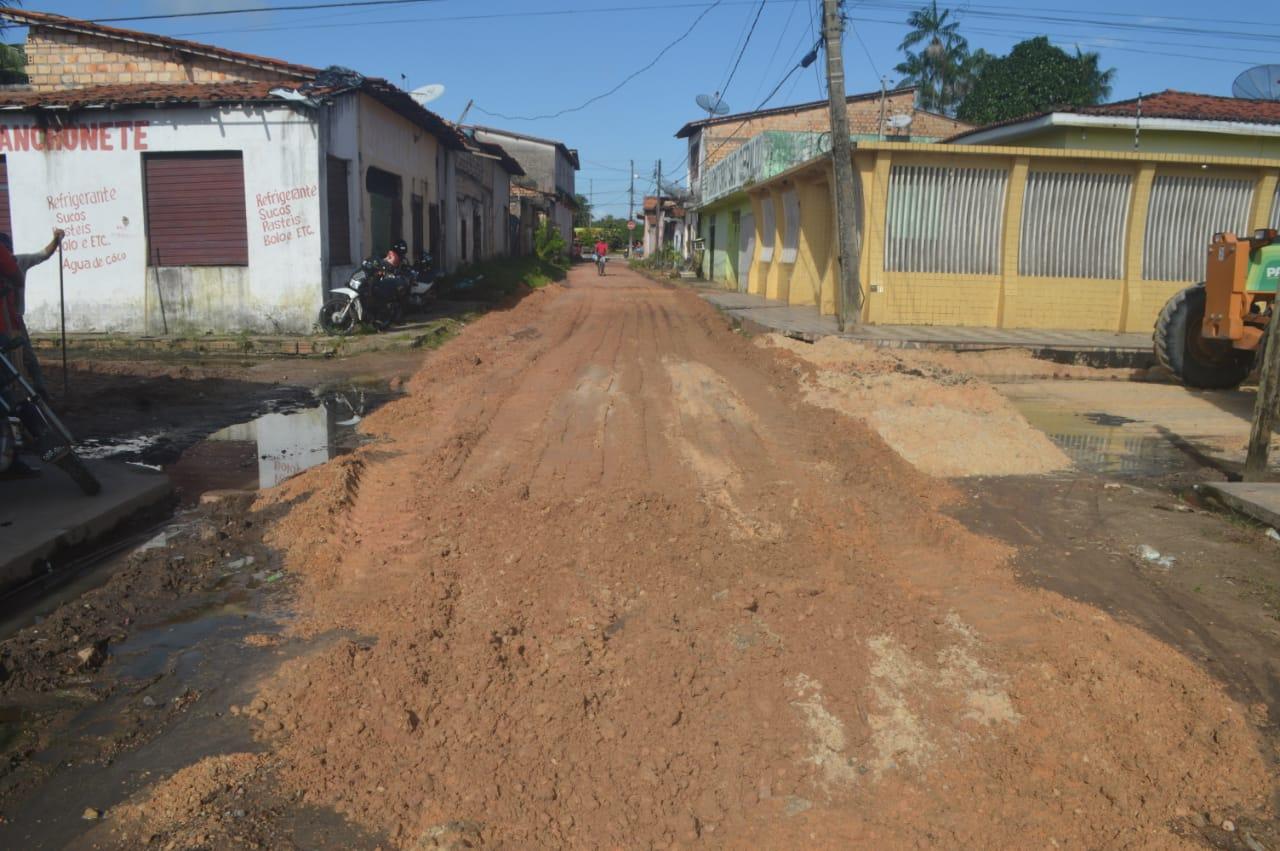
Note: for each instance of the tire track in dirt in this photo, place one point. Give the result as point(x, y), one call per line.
point(567, 640)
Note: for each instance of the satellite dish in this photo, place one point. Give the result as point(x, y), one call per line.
point(1262, 82)
point(426, 94)
point(900, 122)
point(712, 104)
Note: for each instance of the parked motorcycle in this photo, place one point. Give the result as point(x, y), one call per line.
point(28, 424)
point(420, 283)
point(373, 296)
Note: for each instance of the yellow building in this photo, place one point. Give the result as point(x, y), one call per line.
point(1012, 236)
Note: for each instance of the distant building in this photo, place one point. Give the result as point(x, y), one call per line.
point(551, 167)
point(1168, 122)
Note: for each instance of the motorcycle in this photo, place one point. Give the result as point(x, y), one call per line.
point(27, 423)
point(373, 296)
point(419, 289)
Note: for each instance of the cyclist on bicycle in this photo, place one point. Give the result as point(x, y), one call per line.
point(602, 253)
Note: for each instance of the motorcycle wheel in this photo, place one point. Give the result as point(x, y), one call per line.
point(71, 464)
point(334, 321)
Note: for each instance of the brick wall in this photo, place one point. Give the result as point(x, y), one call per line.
point(62, 60)
point(864, 119)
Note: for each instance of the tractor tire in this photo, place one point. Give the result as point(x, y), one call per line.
point(1200, 363)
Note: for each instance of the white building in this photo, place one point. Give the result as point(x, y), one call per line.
point(232, 205)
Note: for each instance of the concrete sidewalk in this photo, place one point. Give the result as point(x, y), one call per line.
point(805, 323)
point(1259, 500)
point(39, 517)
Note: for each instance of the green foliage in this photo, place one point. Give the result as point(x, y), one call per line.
point(937, 58)
point(665, 260)
point(501, 277)
point(614, 231)
point(13, 64)
point(549, 245)
point(1034, 77)
point(582, 218)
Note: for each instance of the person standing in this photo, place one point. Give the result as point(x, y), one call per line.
point(15, 303)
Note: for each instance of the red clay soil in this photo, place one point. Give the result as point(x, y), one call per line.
point(610, 582)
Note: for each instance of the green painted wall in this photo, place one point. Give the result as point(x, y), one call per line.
point(720, 262)
point(1151, 141)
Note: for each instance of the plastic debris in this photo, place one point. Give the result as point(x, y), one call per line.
point(1152, 555)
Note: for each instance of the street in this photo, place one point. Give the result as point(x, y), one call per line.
point(603, 579)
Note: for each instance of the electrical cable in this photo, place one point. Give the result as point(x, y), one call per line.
point(347, 4)
point(615, 89)
point(750, 32)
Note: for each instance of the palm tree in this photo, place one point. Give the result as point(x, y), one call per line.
point(939, 68)
point(1097, 83)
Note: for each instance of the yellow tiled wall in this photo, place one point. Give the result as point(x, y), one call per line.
point(1008, 299)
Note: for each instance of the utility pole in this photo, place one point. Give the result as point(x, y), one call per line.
point(658, 241)
point(1264, 410)
point(848, 293)
point(631, 203)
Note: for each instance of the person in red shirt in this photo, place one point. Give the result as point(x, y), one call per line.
point(396, 254)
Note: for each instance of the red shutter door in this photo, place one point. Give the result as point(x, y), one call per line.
point(196, 210)
point(4, 198)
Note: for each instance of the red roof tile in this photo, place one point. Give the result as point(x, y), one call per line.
point(1186, 106)
point(24, 17)
point(1191, 107)
point(141, 94)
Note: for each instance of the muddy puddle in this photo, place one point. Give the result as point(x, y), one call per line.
point(289, 437)
point(265, 451)
point(1113, 445)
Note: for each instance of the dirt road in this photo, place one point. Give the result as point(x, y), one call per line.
point(605, 580)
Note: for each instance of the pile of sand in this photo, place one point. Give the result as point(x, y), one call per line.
point(944, 422)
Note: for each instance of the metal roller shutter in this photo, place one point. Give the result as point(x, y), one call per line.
point(5, 222)
point(196, 210)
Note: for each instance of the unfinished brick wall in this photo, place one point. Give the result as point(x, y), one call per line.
point(62, 60)
point(864, 119)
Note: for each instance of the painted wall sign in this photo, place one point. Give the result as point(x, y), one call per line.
point(97, 136)
point(281, 218)
point(93, 220)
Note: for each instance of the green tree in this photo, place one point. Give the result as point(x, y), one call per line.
point(582, 218)
point(1034, 77)
point(13, 59)
point(614, 231)
point(937, 58)
point(549, 245)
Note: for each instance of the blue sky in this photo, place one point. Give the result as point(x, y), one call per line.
point(532, 57)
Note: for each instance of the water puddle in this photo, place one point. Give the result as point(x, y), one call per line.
point(263, 452)
point(1107, 444)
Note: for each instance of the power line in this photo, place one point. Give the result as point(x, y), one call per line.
point(615, 89)
point(768, 66)
point(804, 63)
point(725, 88)
point(538, 13)
point(348, 4)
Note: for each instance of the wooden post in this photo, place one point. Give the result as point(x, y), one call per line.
point(848, 294)
point(1264, 409)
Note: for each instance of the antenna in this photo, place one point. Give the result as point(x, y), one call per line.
point(426, 94)
point(1261, 82)
point(463, 117)
point(712, 104)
